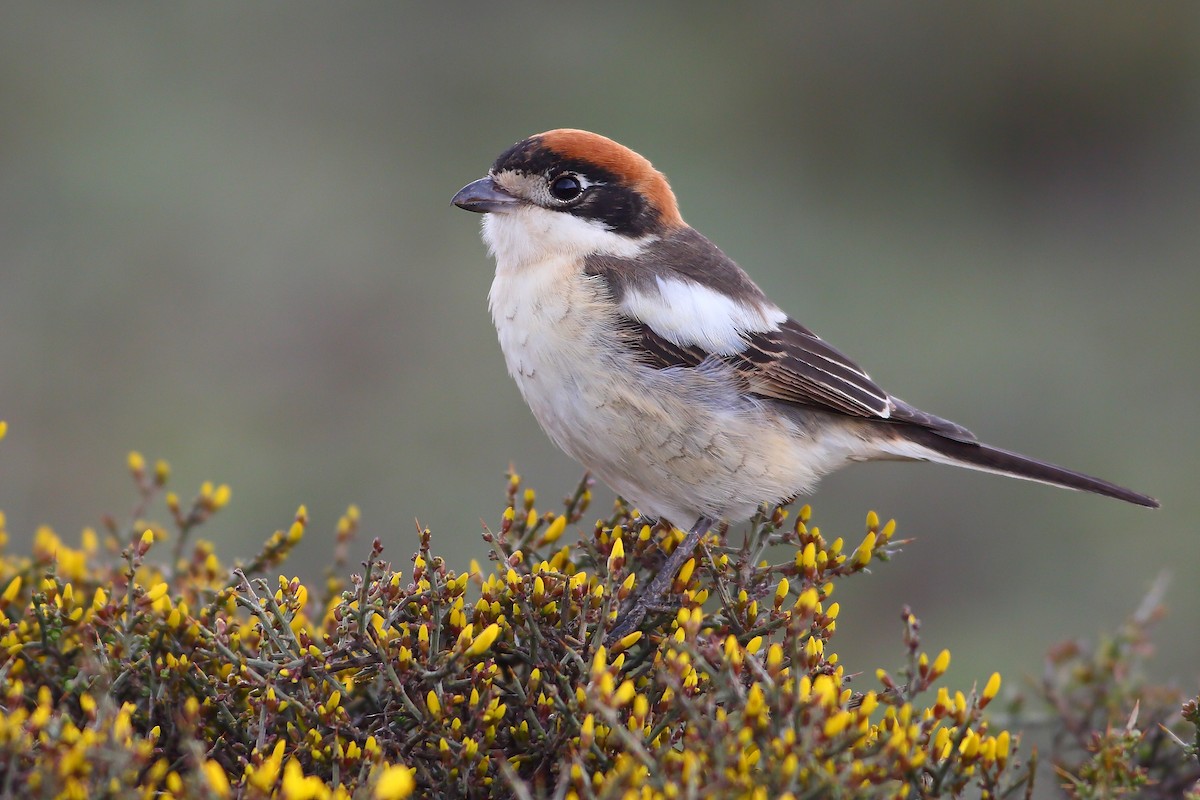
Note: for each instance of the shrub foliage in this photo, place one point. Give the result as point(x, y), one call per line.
point(138, 665)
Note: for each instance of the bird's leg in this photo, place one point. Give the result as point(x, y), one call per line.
point(650, 597)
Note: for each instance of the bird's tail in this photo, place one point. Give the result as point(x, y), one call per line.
point(975, 455)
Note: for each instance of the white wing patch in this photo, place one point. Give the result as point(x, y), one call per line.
point(687, 313)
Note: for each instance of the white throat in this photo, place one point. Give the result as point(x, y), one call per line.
point(530, 234)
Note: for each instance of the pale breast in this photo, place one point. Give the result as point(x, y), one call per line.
point(553, 323)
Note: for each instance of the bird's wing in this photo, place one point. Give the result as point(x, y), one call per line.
point(788, 363)
point(707, 307)
point(792, 363)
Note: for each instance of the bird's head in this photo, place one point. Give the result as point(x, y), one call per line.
point(570, 193)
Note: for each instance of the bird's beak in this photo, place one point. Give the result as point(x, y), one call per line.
point(484, 195)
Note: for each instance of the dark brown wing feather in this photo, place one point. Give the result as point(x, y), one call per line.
point(658, 351)
point(789, 364)
point(903, 412)
point(795, 366)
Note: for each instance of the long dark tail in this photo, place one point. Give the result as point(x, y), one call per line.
point(986, 458)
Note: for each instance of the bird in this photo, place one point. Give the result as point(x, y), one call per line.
point(653, 359)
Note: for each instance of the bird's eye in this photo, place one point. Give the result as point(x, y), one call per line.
point(566, 188)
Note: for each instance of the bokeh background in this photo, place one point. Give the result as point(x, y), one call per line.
point(226, 240)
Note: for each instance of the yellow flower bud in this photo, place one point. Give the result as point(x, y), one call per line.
point(991, 689)
point(483, 642)
point(218, 781)
point(862, 556)
point(587, 732)
point(394, 783)
point(616, 559)
point(12, 590)
point(555, 529)
point(941, 663)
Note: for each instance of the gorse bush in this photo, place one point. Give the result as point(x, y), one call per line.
point(137, 665)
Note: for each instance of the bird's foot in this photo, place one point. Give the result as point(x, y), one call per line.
point(653, 597)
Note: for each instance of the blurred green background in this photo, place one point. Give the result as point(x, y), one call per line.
point(226, 240)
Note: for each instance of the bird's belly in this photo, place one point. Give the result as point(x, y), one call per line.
point(670, 449)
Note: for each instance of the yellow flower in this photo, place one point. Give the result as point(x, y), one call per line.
point(587, 732)
point(629, 640)
point(991, 689)
point(941, 663)
point(616, 559)
point(625, 693)
point(220, 496)
point(837, 723)
point(218, 781)
point(13, 589)
point(555, 530)
point(483, 642)
point(298, 786)
point(395, 782)
point(862, 556)
point(781, 592)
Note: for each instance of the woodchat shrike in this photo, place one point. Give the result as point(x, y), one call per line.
point(654, 360)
